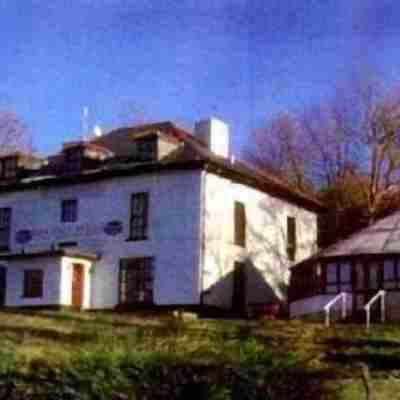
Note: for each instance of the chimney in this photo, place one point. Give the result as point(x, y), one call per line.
point(214, 133)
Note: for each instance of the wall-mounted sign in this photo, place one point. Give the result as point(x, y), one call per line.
point(113, 228)
point(23, 236)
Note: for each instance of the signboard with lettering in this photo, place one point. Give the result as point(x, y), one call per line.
point(113, 228)
point(62, 232)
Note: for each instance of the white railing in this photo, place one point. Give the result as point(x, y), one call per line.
point(327, 308)
point(380, 295)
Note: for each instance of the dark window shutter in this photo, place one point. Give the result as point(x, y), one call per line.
point(139, 216)
point(291, 238)
point(240, 224)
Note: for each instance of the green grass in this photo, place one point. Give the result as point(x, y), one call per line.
point(101, 355)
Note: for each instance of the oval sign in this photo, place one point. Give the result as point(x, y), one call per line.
point(113, 228)
point(23, 236)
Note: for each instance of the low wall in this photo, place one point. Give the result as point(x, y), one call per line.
point(316, 304)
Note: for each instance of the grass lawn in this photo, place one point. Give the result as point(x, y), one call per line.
point(104, 355)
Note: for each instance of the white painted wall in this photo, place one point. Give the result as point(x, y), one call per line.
point(315, 304)
point(265, 253)
point(174, 232)
point(51, 282)
point(182, 206)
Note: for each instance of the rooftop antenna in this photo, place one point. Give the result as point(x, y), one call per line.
point(85, 123)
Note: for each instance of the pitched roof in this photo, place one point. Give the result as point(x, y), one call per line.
point(192, 155)
point(383, 237)
point(380, 238)
point(120, 142)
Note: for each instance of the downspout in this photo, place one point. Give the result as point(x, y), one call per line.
point(202, 236)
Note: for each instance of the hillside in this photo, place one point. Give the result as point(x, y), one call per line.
point(107, 356)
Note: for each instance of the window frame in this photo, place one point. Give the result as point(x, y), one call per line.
point(394, 282)
point(66, 215)
point(73, 160)
point(291, 237)
point(240, 224)
point(142, 149)
point(339, 282)
point(5, 227)
point(33, 289)
point(139, 222)
point(144, 269)
point(9, 172)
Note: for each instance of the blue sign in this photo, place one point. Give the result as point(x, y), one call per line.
point(23, 236)
point(113, 228)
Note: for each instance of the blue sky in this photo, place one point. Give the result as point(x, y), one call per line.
point(239, 60)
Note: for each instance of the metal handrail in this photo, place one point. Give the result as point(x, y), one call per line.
point(381, 294)
point(327, 308)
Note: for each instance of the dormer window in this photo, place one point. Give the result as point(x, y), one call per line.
point(146, 149)
point(73, 160)
point(8, 167)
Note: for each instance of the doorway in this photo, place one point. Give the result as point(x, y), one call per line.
point(239, 297)
point(77, 285)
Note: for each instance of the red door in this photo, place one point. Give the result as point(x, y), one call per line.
point(77, 285)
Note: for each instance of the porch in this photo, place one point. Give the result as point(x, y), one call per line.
point(55, 278)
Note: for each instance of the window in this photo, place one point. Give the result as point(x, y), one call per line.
point(10, 167)
point(240, 224)
point(5, 228)
point(136, 280)
point(73, 160)
point(389, 274)
point(33, 283)
point(139, 216)
point(69, 210)
point(146, 149)
point(338, 277)
point(291, 238)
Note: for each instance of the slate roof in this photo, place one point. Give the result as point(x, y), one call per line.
point(383, 237)
point(193, 154)
point(379, 239)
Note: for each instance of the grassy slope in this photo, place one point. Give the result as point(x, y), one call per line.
point(59, 338)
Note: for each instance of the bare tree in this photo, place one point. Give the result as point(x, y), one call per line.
point(347, 148)
point(14, 135)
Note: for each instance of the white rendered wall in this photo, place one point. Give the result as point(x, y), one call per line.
point(174, 231)
point(51, 282)
point(265, 252)
point(315, 304)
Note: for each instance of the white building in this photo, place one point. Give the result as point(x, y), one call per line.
point(148, 215)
